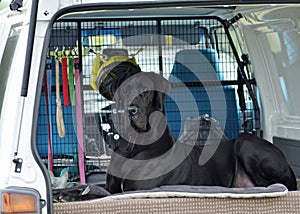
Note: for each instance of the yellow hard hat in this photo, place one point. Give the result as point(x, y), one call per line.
point(105, 72)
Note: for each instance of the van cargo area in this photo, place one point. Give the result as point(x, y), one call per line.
point(235, 66)
point(177, 51)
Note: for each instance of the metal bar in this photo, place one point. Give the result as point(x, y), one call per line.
point(226, 25)
point(29, 49)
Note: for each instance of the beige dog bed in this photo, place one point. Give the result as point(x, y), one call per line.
point(273, 199)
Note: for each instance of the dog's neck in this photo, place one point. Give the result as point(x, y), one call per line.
point(134, 150)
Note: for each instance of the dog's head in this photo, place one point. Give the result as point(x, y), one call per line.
point(139, 96)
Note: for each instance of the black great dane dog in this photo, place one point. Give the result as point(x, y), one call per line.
point(147, 155)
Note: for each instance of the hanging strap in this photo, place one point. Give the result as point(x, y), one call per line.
point(240, 92)
point(79, 122)
point(64, 62)
point(71, 81)
point(47, 93)
point(59, 113)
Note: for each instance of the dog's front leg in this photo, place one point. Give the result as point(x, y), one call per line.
point(113, 184)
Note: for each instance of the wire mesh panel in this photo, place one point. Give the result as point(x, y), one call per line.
point(203, 71)
point(194, 54)
point(58, 150)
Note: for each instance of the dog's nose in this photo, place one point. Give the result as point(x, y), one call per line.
point(132, 110)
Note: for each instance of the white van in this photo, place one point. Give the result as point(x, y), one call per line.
point(56, 131)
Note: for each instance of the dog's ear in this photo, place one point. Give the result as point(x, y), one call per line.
point(161, 88)
point(158, 103)
point(159, 82)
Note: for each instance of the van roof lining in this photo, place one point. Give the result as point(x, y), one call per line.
point(153, 12)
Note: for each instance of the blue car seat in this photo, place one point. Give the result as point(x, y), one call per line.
point(189, 99)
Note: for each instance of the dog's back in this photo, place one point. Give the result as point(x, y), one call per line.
point(263, 162)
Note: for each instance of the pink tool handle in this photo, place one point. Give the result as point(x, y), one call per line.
point(79, 122)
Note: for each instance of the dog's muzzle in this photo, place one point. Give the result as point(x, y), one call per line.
point(118, 114)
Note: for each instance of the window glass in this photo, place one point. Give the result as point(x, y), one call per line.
point(285, 48)
point(6, 61)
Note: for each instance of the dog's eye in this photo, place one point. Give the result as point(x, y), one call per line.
point(132, 110)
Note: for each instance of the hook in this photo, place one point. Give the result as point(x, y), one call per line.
point(75, 51)
point(64, 51)
point(70, 51)
point(56, 51)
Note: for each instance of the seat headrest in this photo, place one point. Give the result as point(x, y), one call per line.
point(192, 65)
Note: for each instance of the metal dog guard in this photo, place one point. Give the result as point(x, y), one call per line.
point(161, 39)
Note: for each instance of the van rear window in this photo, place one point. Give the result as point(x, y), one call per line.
point(6, 61)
